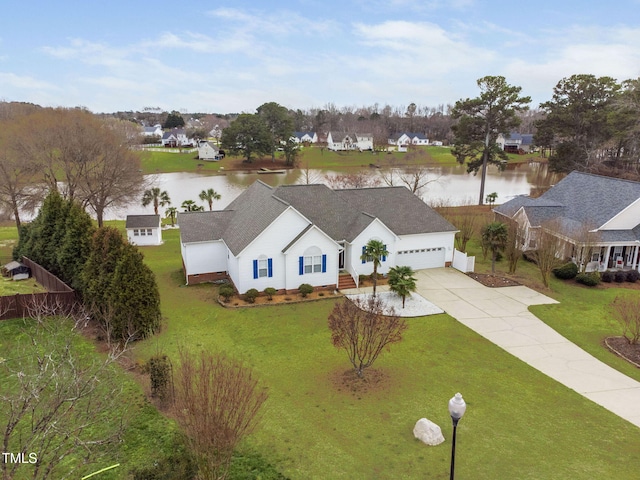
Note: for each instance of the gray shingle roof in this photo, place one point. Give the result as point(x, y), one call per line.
point(203, 226)
point(142, 221)
point(341, 214)
point(578, 201)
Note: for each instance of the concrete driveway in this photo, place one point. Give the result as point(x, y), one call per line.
point(501, 315)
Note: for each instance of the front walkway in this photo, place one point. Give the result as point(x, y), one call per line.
point(501, 315)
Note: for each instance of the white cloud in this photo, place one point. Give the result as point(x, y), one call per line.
point(23, 82)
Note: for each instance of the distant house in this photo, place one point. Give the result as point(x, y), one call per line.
point(156, 131)
point(305, 137)
point(340, 141)
point(176, 138)
point(293, 234)
point(144, 229)
point(597, 220)
point(403, 139)
point(209, 151)
point(515, 142)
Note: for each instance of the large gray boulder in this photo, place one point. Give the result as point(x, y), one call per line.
point(428, 432)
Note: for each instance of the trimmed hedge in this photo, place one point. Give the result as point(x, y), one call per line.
point(589, 279)
point(251, 295)
point(305, 289)
point(607, 276)
point(633, 276)
point(620, 276)
point(226, 291)
point(566, 272)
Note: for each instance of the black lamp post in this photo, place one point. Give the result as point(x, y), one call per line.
point(457, 408)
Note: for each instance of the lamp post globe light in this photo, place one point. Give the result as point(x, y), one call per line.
point(457, 408)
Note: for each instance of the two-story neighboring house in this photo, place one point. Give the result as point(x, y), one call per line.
point(176, 138)
point(339, 141)
point(293, 234)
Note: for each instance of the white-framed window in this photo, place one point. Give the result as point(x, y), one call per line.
point(263, 267)
point(313, 264)
point(149, 232)
point(136, 232)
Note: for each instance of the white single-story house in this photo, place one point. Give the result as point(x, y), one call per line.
point(176, 138)
point(515, 142)
point(597, 219)
point(155, 130)
point(209, 151)
point(293, 234)
point(408, 138)
point(144, 229)
point(339, 141)
point(305, 137)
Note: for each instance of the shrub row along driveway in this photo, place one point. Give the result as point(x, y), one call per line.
point(501, 315)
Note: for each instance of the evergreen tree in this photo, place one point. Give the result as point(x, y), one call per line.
point(133, 296)
point(40, 241)
point(75, 246)
point(107, 245)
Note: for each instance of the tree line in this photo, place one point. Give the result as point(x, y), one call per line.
point(87, 159)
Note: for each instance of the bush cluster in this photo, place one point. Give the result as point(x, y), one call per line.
point(566, 272)
point(589, 279)
point(631, 276)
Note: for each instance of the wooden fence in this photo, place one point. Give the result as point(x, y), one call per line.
point(59, 295)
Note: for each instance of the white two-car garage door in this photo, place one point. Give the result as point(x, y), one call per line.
point(421, 258)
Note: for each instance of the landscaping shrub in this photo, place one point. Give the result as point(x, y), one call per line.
point(305, 289)
point(620, 276)
point(159, 367)
point(589, 279)
point(251, 295)
point(270, 292)
point(226, 291)
point(566, 272)
point(633, 276)
point(607, 276)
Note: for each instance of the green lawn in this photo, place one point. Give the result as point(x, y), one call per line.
point(159, 161)
point(148, 437)
point(166, 162)
point(519, 423)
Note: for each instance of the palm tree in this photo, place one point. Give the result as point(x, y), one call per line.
point(494, 237)
point(374, 251)
point(190, 206)
point(157, 197)
point(171, 213)
point(401, 281)
point(209, 196)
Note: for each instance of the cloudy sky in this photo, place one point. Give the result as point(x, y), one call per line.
point(232, 56)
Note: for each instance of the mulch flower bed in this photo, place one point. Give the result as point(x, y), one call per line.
point(493, 281)
point(621, 347)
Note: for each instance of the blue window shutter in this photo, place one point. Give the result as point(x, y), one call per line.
point(270, 267)
point(384, 257)
point(324, 264)
point(364, 252)
point(300, 265)
point(255, 269)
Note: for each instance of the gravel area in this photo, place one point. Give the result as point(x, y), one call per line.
point(415, 305)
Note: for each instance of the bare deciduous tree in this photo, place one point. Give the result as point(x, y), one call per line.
point(548, 252)
point(626, 311)
point(217, 401)
point(361, 179)
point(59, 406)
point(363, 328)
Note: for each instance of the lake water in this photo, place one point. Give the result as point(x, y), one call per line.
point(451, 185)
